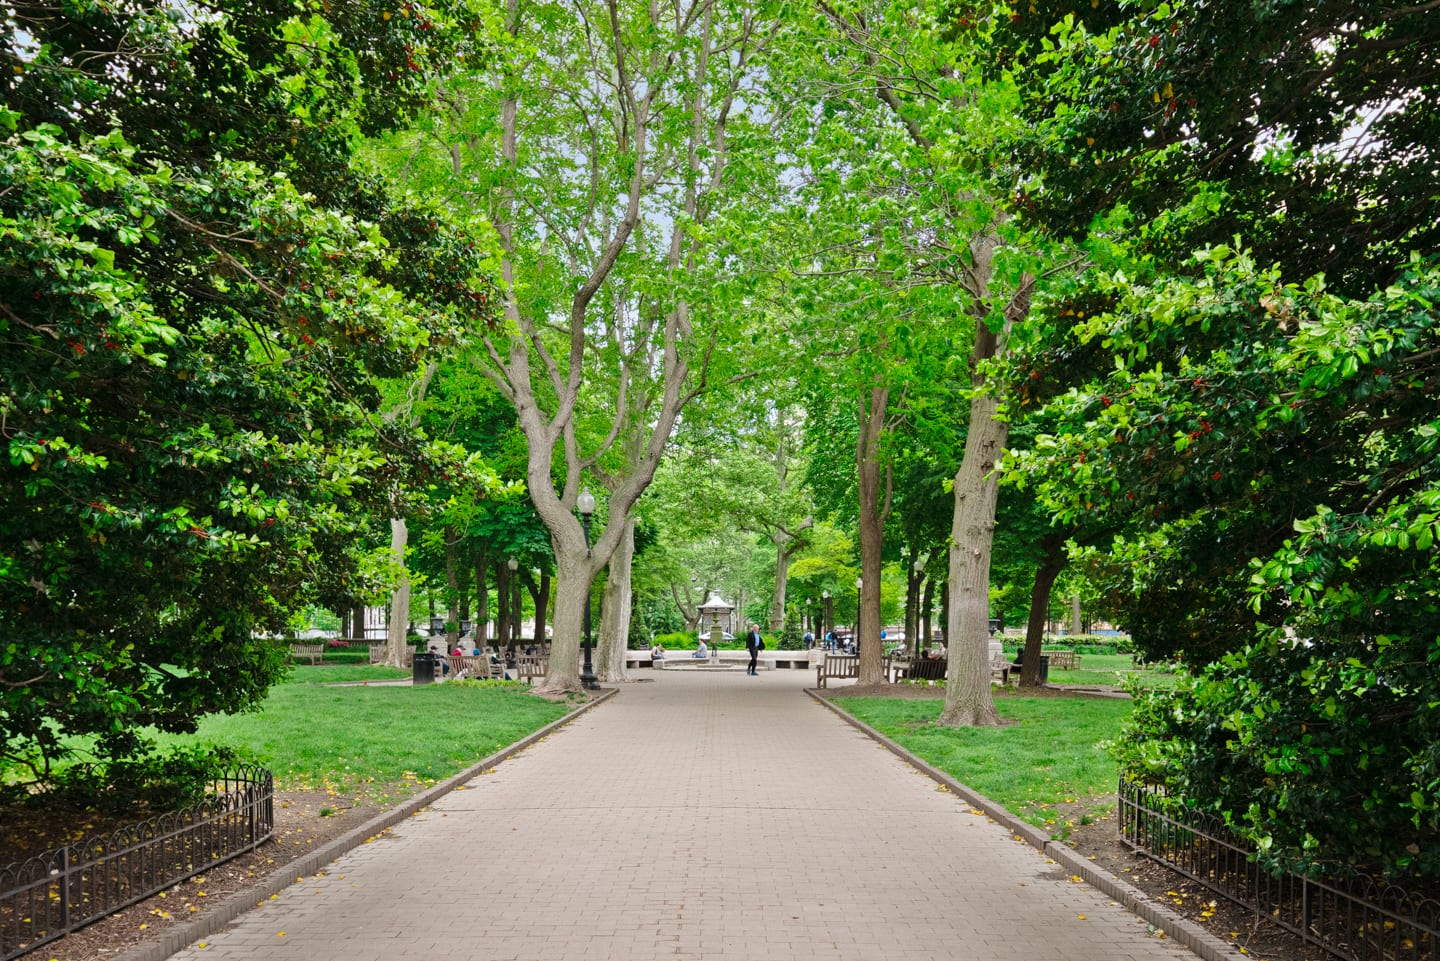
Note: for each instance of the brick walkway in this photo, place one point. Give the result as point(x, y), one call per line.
point(695, 816)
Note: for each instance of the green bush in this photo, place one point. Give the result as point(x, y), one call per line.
point(678, 641)
point(140, 785)
point(790, 637)
point(1325, 755)
point(1092, 643)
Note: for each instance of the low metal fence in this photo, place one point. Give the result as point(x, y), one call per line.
point(48, 896)
point(1359, 920)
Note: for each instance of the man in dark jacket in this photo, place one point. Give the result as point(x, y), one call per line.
point(754, 645)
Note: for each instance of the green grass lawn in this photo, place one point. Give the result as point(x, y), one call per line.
point(1046, 766)
point(376, 743)
point(343, 673)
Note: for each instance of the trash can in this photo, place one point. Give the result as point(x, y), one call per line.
point(424, 668)
point(1044, 669)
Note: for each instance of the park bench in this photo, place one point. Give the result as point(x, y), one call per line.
point(314, 652)
point(530, 666)
point(934, 669)
point(927, 669)
point(837, 666)
point(377, 653)
point(1063, 658)
point(476, 667)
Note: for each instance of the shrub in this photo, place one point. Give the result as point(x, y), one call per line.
point(678, 641)
point(1324, 754)
point(790, 637)
point(141, 784)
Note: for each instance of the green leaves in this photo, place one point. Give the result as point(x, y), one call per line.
point(200, 289)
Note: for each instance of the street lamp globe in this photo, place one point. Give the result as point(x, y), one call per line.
point(585, 503)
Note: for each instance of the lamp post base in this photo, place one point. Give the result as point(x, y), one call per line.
point(587, 673)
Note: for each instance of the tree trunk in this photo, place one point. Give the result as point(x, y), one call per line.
point(396, 634)
point(452, 584)
point(502, 604)
point(927, 608)
point(871, 418)
point(1052, 562)
point(615, 614)
point(912, 607)
point(968, 702)
point(541, 596)
point(482, 599)
point(782, 577)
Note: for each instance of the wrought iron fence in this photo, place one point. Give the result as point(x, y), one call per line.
point(55, 893)
point(1361, 920)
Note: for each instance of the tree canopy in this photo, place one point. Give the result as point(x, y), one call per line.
point(198, 291)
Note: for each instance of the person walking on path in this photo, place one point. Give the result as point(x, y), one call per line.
point(754, 644)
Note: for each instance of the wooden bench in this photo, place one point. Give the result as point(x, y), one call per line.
point(936, 668)
point(476, 667)
point(312, 651)
point(837, 666)
point(1062, 658)
point(530, 666)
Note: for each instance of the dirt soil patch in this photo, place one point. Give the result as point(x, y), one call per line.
point(299, 829)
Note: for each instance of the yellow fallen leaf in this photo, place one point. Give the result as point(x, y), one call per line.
point(1080, 916)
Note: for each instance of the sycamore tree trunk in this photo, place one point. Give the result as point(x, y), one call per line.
point(968, 702)
point(967, 638)
point(873, 510)
point(615, 615)
point(396, 635)
point(786, 545)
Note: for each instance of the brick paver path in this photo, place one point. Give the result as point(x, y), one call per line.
point(695, 816)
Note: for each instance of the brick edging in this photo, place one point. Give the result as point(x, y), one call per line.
point(180, 936)
point(1177, 927)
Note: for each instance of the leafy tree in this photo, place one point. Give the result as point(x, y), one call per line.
point(197, 291)
point(1260, 422)
point(602, 149)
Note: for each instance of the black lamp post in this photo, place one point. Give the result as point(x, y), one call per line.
point(827, 619)
point(919, 568)
point(585, 504)
point(859, 583)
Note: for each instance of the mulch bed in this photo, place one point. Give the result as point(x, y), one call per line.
point(299, 829)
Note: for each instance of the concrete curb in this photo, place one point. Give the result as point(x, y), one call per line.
point(1176, 927)
point(237, 904)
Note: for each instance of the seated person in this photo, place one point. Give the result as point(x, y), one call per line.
point(438, 649)
point(657, 653)
point(702, 650)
